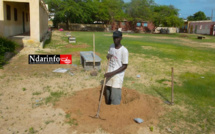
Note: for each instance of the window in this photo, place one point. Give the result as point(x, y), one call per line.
point(200, 27)
point(138, 24)
point(145, 24)
point(123, 23)
point(15, 14)
point(27, 17)
point(8, 12)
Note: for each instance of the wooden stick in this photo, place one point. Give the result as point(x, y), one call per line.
point(172, 98)
point(103, 87)
point(94, 51)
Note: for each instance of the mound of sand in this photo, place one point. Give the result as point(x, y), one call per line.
point(116, 118)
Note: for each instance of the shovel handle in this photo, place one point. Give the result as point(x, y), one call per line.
point(103, 86)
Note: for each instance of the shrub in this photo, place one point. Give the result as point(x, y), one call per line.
point(6, 45)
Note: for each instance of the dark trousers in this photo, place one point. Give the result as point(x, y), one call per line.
point(113, 95)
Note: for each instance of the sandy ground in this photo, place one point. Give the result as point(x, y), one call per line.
point(116, 119)
point(25, 88)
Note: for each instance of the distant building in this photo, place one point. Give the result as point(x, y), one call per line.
point(201, 27)
point(51, 16)
point(28, 17)
point(144, 26)
point(183, 28)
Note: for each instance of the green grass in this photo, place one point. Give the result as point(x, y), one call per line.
point(49, 121)
point(194, 92)
point(54, 96)
point(197, 95)
point(164, 49)
point(199, 87)
point(71, 121)
point(36, 93)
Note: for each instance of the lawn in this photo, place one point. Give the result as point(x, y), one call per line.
point(152, 56)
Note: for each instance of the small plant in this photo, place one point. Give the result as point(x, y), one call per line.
point(24, 89)
point(36, 93)
point(31, 130)
point(54, 96)
point(67, 116)
point(71, 121)
point(49, 121)
point(151, 128)
point(6, 45)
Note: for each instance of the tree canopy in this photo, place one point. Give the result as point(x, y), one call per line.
point(166, 16)
point(107, 11)
point(140, 10)
point(198, 16)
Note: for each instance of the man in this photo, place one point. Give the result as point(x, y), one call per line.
point(118, 56)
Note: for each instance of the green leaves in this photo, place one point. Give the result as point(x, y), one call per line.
point(166, 16)
point(75, 11)
point(197, 16)
point(140, 10)
point(107, 11)
point(5, 46)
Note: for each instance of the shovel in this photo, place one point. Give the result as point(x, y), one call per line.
point(100, 100)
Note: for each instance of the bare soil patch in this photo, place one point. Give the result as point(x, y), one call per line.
point(118, 119)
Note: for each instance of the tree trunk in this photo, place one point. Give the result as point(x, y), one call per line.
point(67, 24)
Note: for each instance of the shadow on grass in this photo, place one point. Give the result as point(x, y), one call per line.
point(47, 42)
point(166, 100)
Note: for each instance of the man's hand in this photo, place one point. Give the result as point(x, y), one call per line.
point(109, 56)
point(109, 74)
point(122, 68)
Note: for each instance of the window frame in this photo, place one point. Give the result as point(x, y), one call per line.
point(8, 12)
point(15, 14)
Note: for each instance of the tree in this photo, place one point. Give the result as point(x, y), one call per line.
point(140, 10)
point(111, 10)
point(166, 16)
point(86, 11)
point(65, 11)
point(197, 16)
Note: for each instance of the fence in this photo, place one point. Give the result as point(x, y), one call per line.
point(85, 27)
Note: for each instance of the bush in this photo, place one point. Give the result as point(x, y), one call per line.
point(6, 45)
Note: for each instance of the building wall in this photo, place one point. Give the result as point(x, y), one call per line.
point(12, 27)
point(37, 22)
point(83, 27)
point(167, 29)
point(125, 26)
point(149, 27)
point(184, 28)
point(1, 18)
point(43, 22)
point(201, 27)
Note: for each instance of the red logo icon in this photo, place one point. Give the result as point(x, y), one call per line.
point(65, 59)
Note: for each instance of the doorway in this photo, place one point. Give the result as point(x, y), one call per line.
point(196, 29)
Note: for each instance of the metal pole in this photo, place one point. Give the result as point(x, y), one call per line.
point(172, 98)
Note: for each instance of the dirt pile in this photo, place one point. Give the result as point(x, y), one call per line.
point(117, 118)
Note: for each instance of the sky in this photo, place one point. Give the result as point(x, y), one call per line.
point(189, 7)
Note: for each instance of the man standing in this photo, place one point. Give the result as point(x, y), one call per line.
point(118, 56)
